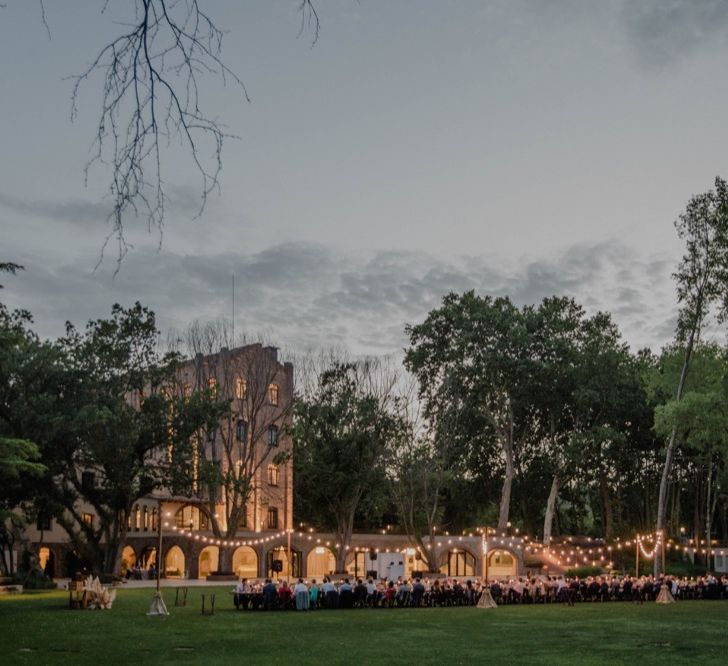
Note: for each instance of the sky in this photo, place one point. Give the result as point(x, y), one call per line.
point(514, 147)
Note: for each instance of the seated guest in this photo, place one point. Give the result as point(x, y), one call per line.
point(346, 595)
point(360, 594)
point(418, 591)
point(270, 595)
point(371, 600)
point(241, 598)
point(313, 595)
point(300, 592)
point(331, 598)
point(403, 594)
point(284, 595)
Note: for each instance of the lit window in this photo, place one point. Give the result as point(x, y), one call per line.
point(88, 519)
point(273, 394)
point(273, 473)
point(272, 518)
point(154, 520)
point(146, 519)
point(241, 388)
point(241, 429)
point(137, 518)
point(273, 436)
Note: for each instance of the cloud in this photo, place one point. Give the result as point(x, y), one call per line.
point(662, 31)
point(307, 294)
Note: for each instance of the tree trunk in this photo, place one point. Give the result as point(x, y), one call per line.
point(708, 514)
point(505, 501)
point(343, 533)
point(224, 560)
point(670, 452)
point(697, 516)
point(550, 509)
point(606, 507)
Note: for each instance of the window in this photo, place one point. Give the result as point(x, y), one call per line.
point(154, 520)
point(272, 518)
point(88, 519)
point(88, 481)
point(273, 436)
point(241, 388)
point(191, 518)
point(273, 475)
point(241, 429)
point(273, 394)
point(243, 517)
point(43, 523)
point(137, 518)
point(145, 520)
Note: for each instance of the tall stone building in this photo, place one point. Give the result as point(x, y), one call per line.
point(251, 449)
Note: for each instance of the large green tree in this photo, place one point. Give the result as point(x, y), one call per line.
point(702, 287)
point(342, 434)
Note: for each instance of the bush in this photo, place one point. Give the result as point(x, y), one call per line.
point(34, 580)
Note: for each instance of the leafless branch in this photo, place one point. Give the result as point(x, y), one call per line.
point(150, 98)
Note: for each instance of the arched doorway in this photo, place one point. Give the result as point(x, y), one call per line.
point(174, 563)
point(149, 557)
point(47, 561)
point(128, 559)
point(501, 564)
point(457, 562)
point(191, 518)
point(207, 562)
point(245, 562)
point(281, 554)
point(320, 562)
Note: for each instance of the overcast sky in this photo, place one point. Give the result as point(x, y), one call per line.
point(526, 148)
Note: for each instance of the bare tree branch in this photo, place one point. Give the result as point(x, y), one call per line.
point(150, 98)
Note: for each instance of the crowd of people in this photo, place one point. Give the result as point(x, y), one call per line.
point(417, 592)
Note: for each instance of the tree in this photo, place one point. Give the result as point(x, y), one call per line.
point(121, 424)
point(245, 435)
point(700, 420)
point(472, 350)
point(342, 434)
point(702, 286)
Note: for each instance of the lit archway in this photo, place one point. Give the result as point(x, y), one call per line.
point(320, 562)
point(245, 562)
point(207, 562)
point(457, 562)
point(149, 557)
point(501, 564)
point(128, 559)
point(174, 563)
point(47, 561)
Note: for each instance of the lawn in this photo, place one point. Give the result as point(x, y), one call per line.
point(39, 629)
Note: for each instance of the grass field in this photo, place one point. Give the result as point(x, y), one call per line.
point(39, 629)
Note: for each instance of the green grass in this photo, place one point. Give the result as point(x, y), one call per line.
point(38, 628)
